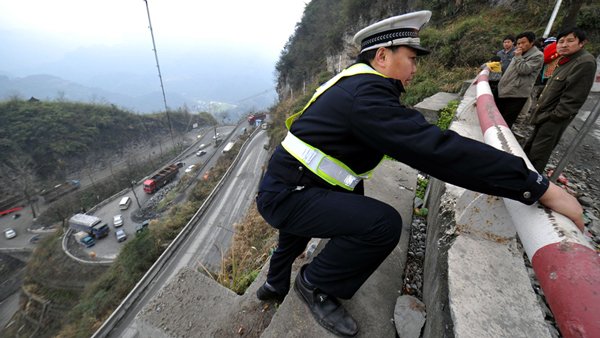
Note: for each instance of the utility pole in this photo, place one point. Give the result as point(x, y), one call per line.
point(159, 75)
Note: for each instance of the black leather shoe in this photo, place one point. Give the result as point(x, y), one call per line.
point(327, 310)
point(263, 293)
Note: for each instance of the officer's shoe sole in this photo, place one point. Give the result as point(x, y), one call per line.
point(326, 309)
point(264, 294)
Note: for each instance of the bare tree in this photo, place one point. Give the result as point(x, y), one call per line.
point(14, 95)
point(61, 96)
point(223, 115)
point(19, 175)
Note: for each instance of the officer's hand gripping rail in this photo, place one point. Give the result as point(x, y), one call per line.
point(567, 267)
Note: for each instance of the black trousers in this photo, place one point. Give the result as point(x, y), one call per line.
point(543, 140)
point(362, 231)
point(510, 107)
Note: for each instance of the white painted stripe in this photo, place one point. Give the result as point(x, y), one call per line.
point(483, 88)
point(491, 137)
point(538, 228)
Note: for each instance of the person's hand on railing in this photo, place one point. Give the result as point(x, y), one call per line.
point(562, 202)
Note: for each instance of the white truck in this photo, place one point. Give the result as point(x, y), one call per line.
point(228, 147)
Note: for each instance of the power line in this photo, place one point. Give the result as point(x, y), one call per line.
point(159, 75)
point(253, 96)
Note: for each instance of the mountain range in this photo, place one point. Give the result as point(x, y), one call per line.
point(127, 77)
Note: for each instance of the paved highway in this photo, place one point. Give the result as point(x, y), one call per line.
point(213, 230)
point(108, 248)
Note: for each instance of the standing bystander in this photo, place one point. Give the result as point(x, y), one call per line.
point(506, 55)
point(516, 83)
point(562, 97)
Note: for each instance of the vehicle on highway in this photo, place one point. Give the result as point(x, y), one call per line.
point(92, 225)
point(190, 168)
point(200, 153)
point(228, 146)
point(35, 238)
point(142, 226)
point(125, 203)
point(256, 117)
point(202, 146)
point(10, 233)
point(121, 235)
point(179, 164)
point(118, 220)
point(161, 178)
point(84, 239)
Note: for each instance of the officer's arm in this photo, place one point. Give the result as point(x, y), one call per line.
point(562, 202)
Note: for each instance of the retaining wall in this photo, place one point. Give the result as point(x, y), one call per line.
point(475, 285)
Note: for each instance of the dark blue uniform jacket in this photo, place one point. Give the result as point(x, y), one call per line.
point(360, 119)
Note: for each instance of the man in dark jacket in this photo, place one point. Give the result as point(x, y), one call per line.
point(564, 94)
point(508, 53)
point(313, 186)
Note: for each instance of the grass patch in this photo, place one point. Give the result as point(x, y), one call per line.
point(251, 247)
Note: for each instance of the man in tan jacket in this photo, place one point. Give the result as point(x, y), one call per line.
point(518, 80)
point(564, 94)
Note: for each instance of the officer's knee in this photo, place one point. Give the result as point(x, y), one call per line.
point(388, 227)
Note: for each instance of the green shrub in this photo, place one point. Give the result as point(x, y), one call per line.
point(447, 114)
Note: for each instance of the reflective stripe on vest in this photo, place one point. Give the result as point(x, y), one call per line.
point(326, 167)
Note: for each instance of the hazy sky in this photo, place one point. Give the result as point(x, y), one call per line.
point(65, 25)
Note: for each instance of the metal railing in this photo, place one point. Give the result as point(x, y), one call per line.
point(567, 267)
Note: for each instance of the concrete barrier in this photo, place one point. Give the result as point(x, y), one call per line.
point(566, 265)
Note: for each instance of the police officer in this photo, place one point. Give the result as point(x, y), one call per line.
point(313, 186)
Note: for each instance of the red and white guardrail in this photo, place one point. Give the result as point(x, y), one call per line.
point(565, 264)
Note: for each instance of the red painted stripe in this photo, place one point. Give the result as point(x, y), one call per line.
point(569, 274)
point(483, 77)
point(11, 210)
point(488, 114)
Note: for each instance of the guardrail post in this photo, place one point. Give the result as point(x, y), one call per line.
point(567, 267)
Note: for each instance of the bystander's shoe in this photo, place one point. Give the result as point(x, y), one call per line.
point(263, 293)
point(327, 310)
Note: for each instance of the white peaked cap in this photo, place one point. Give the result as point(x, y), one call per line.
point(401, 30)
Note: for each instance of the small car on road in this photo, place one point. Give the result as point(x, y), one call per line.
point(10, 233)
point(190, 168)
point(121, 235)
point(200, 153)
point(142, 226)
point(35, 238)
point(118, 220)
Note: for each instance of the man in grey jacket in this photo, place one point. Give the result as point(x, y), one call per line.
point(518, 80)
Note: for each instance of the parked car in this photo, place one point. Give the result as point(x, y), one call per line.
point(10, 233)
point(190, 168)
point(118, 220)
point(121, 235)
point(35, 238)
point(200, 153)
point(142, 226)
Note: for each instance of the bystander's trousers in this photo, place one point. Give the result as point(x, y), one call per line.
point(510, 107)
point(543, 140)
point(362, 231)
